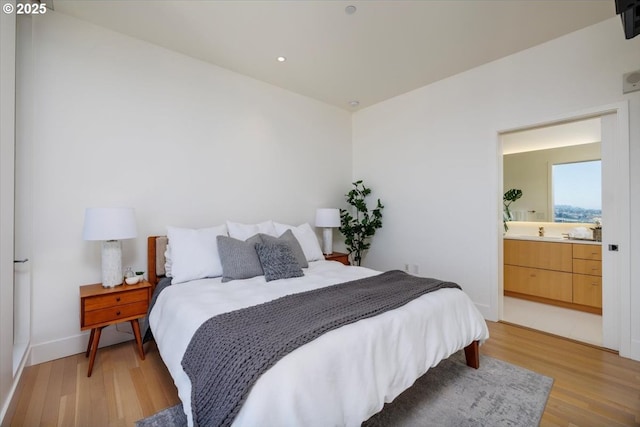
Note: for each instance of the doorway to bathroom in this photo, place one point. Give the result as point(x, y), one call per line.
point(591, 137)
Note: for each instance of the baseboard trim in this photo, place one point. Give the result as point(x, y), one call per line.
point(484, 309)
point(635, 350)
point(56, 349)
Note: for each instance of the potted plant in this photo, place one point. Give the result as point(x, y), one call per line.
point(509, 197)
point(362, 225)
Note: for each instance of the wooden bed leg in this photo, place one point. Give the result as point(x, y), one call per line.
point(472, 354)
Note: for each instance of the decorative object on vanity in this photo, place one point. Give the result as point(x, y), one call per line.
point(597, 232)
point(328, 219)
point(358, 229)
point(110, 225)
point(509, 197)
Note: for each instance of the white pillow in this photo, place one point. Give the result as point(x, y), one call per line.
point(168, 262)
point(194, 253)
point(244, 231)
point(306, 237)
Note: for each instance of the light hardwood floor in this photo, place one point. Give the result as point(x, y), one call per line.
point(592, 387)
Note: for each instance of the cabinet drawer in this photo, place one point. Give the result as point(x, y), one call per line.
point(555, 285)
point(545, 255)
point(114, 300)
point(587, 266)
point(587, 251)
point(587, 290)
point(112, 314)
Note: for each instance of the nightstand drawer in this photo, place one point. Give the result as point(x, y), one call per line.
point(103, 306)
point(338, 256)
point(116, 299)
point(114, 314)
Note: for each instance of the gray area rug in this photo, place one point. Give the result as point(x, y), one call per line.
point(451, 394)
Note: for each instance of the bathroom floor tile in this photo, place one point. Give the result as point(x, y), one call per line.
point(585, 327)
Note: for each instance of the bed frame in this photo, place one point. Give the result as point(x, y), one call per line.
point(156, 246)
point(155, 259)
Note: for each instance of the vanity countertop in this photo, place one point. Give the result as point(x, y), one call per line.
point(551, 239)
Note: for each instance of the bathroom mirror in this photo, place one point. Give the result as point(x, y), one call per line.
point(532, 171)
point(576, 191)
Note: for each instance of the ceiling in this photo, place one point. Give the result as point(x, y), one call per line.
point(384, 49)
point(553, 136)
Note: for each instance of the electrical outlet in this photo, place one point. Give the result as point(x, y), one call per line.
point(411, 268)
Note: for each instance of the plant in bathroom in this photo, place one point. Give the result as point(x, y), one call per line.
point(509, 197)
point(360, 226)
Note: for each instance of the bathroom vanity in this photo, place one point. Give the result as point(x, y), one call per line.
point(556, 271)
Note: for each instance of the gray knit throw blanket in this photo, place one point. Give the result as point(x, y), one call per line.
point(230, 351)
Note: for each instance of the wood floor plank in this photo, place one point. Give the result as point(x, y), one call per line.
point(51, 406)
point(23, 397)
point(592, 386)
point(38, 395)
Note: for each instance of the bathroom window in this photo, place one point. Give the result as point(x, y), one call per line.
point(577, 192)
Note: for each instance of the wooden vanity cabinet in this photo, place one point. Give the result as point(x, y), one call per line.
point(564, 274)
point(544, 255)
point(587, 275)
point(556, 285)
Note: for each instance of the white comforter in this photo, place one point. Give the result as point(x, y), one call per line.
point(341, 378)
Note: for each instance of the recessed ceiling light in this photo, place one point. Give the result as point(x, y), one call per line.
point(354, 103)
point(350, 10)
point(281, 58)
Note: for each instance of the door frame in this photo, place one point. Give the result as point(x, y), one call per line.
point(616, 317)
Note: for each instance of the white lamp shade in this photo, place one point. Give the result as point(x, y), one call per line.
point(109, 224)
point(328, 217)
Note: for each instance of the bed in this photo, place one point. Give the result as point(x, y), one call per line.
point(342, 377)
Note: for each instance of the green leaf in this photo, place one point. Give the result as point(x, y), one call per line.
point(359, 227)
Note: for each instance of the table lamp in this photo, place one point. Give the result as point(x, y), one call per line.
point(328, 218)
point(110, 225)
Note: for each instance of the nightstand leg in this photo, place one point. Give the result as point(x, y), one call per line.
point(93, 333)
point(94, 348)
point(136, 331)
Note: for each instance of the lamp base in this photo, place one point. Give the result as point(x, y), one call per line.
point(111, 263)
point(327, 240)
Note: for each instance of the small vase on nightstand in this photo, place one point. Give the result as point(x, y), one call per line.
point(130, 277)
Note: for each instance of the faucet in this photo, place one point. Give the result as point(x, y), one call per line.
point(541, 231)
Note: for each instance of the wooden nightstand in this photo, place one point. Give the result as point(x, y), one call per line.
point(338, 256)
point(100, 307)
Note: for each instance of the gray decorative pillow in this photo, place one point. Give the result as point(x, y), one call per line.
point(278, 262)
point(239, 258)
point(288, 238)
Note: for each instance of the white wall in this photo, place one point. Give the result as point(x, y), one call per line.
point(120, 122)
point(431, 155)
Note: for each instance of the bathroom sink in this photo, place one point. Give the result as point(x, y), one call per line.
point(524, 236)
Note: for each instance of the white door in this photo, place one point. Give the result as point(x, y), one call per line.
point(7, 144)
point(616, 266)
point(22, 197)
